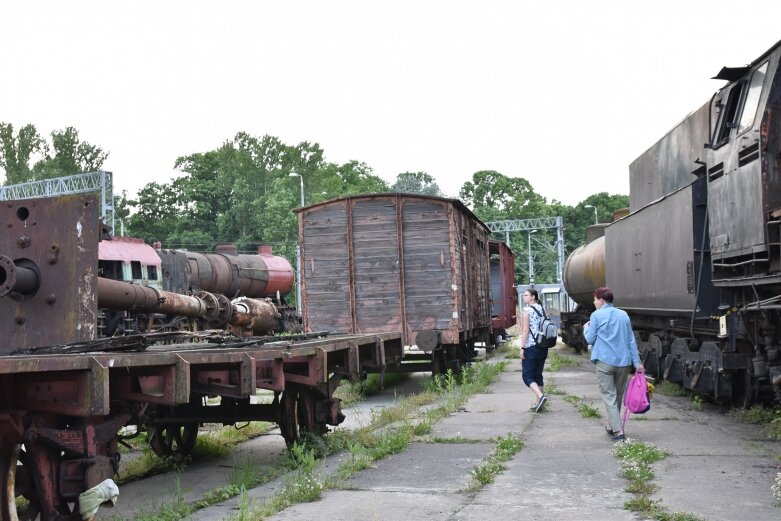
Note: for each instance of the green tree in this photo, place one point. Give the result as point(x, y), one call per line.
point(494, 197)
point(16, 152)
point(70, 156)
point(416, 183)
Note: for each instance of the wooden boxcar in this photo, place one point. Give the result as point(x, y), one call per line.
point(413, 264)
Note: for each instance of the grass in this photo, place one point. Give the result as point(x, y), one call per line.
point(769, 418)
point(668, 388)
point(557, 361)
point(636, 459)
point(484, 473)
point(585, 409)
point(352, 393)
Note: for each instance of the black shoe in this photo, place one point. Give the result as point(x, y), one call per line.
point(609, 431)
point(618, 437)
point(541, 403)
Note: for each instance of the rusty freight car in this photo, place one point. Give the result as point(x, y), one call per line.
point(66, 393)
point(405, 263)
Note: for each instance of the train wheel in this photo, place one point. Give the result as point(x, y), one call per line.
point(288, 416)
point(169, 440)
point(19, 499)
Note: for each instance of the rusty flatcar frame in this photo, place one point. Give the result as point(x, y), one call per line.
point(65, 410)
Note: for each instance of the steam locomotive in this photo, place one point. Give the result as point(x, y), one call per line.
point(697, 261)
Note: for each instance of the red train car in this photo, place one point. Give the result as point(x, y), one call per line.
point(504, 301)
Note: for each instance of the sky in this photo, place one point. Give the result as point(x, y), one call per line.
point(562, 93)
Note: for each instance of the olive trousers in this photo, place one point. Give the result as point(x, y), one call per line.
point(612, 384)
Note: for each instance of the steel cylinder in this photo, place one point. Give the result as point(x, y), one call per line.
point(584, 271)
point(116, 294)
point(251, 276)
point(16, 278)
point(255, 315)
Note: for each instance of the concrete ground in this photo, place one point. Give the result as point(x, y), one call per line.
point(718, 468)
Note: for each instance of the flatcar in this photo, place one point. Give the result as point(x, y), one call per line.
point(67, 392)
point(697, 262)
point(414, 264)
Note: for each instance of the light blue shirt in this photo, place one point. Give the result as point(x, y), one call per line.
point(611, 338)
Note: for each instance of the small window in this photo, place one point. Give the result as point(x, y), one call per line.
point(135, 269)
point(728, 115)
point(752, 98)
point(151, 271)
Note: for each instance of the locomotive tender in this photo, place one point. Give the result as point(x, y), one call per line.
point(697, 262)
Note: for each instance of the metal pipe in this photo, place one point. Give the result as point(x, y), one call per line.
point(16, 278)
point(116, 294)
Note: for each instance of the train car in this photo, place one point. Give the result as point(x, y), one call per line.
point(67, 392)
point(414, 264)
point(504, 302)
point(697, 262)
point(554, 300)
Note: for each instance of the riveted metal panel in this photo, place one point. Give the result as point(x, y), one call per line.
point(58, 239)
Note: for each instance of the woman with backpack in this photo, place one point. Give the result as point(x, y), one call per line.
point(532, 355)
point(613, 351)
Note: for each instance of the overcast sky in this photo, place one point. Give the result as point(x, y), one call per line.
point(565, 94)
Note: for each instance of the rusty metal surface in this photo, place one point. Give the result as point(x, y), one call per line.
point(504, 299)
point(251, 276)
point(58, 239)
point(394, 262)
point(584, 271)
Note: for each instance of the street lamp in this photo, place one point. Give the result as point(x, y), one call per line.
point(298, 249)
point(293, 174)
point(596, 220)
point(531, 261)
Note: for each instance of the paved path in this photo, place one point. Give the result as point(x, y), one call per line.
point(718, 469)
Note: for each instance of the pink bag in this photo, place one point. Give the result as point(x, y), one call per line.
point(636, 397)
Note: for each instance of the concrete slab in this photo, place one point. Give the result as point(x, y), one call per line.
point(430, 467)
point(375, 506)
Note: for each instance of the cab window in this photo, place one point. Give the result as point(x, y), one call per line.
point(752, 98)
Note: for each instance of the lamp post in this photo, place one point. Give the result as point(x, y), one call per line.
point(531, 261)
point(298, 250)
point(596, 220)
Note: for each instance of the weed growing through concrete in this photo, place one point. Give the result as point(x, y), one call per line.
point(668, 388)
point(485, 473)
point(636, 459)
point(557, 361)
point(585, 409)
point(769, 418)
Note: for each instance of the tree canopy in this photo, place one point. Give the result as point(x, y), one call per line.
point(245, 191)
point(67, 154)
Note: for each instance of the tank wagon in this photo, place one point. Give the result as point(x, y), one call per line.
point(406, 263)
point(66, 393)
point(697, 262)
